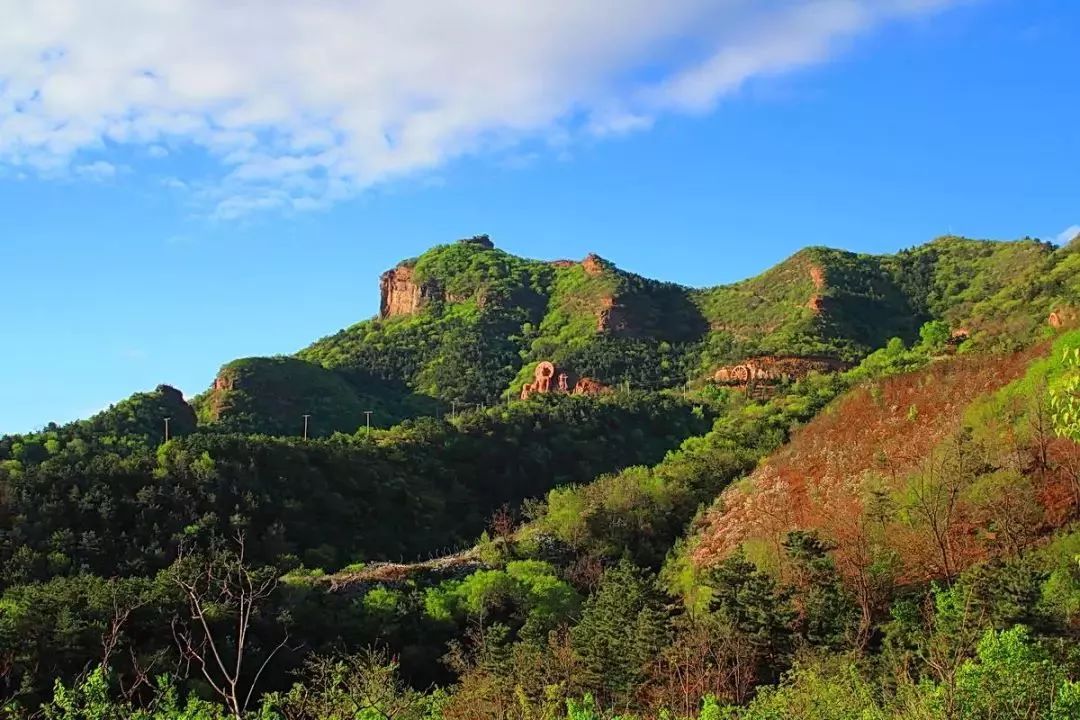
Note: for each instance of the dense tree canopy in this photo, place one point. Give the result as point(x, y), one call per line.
point(894, 541)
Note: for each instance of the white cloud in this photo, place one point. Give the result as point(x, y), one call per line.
point(1067, 235)
point(97, 170)
point(305, 103)
point(174, 183)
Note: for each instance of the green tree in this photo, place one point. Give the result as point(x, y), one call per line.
point(622, 629)
point(826, 612)
point(1013, 678)
point(748, 601)
point(828, 690)
point(1065, 396)
point(91, 699)
point(934, 336)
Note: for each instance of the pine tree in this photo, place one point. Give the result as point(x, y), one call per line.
point(622, 629)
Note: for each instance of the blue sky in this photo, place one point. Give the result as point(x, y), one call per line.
point(163, 215)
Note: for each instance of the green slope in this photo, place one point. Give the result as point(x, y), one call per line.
point(487, 317)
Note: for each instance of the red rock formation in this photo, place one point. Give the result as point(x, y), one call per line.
point(541, 380)
point(1062, 317)
point(542, 383)
point(771, 369)
point(612, 317)
point(957, 337)
point(588, 386)
point(544, 372)
point(592, 264)
point(400, 294)
point(816, 301)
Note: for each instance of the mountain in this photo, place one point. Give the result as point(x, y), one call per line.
point(847, 487)
point(466, 324)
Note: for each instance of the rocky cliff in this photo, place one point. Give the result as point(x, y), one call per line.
point(400, 292)
point(772, 368)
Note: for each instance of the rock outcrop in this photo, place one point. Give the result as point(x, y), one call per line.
point(613, 318)
point(401, 294)
point(1063, 317)
point(549, 379)
point(772, 369)
point(593, 264)
point(817, 300)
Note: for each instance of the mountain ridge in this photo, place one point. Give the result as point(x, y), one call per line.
point(769, 449)
point(470, 322)
point(466, 323)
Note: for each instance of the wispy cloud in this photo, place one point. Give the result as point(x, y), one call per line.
point(174, 183)
point(1068, 235)
point(97, 170)
point(306, 103)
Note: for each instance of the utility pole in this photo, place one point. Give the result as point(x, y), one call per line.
point(167, 428)
point(453, 408)
point(306, 417)
point(367, 419)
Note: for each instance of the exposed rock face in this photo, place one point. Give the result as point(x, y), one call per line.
point(1062, 317)
point(588, 386)
point(592, 264)
point(957, 338)
point(816, 301)
point(549, 379)
point(771, 369)
point(613, 318)
point(400, 294)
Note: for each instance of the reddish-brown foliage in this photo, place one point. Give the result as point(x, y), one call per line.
point(840, 474)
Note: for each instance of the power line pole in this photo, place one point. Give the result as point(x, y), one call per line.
point(367, 419)
point(167, 428)
point(306, 425)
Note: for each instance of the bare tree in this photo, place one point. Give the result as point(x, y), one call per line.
point(141, 675)
point(502, 523)
point(707, 658)
point(947, 648)
point(1040, 426)
point(113, 633)
point(935, 498)
point(1070, 466)
point(223, 596)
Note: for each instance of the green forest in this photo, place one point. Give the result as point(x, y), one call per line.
point(379, 527)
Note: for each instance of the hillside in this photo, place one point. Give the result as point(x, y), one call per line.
point(583, 494)
point(466, 324)
point(869, 462)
